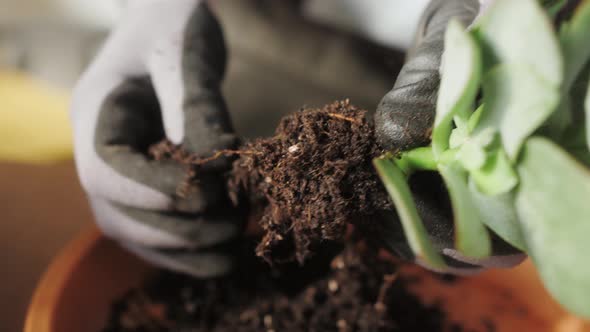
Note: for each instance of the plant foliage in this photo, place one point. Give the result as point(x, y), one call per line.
point(516, 162)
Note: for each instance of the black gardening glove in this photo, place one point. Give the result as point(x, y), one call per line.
point(158, 76)
point(404, 120)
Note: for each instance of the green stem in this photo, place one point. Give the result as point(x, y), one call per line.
point(419, 159)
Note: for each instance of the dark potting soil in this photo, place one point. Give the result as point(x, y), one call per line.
point(311, 179)
point(351, 291)
point(303, 187)
point(306, 183)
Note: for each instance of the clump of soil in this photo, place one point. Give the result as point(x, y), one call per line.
point(307, 182)
point(312, 178)
point(356, 292)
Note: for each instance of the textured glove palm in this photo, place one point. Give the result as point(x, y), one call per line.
point(158, 75)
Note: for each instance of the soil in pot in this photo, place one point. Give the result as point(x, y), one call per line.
point(351, 291)
point(303, 186)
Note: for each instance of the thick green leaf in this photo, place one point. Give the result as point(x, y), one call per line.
point(396, 185)
point(461, 71)
point(497, 175)
point(471, 236)
point(517, 101)
point(575, 43)
point(552, 204)
point(499, 214)
point(521, 32)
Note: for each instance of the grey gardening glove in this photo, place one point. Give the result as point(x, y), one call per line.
point(158, 76)
point(404, 120)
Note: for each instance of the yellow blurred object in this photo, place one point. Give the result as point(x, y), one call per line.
point(34, 123)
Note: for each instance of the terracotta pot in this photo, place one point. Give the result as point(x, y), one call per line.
point(75, 293)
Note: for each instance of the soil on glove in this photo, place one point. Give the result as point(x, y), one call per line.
point(355, 292)
point(307, 182)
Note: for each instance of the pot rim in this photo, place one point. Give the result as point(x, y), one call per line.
point(41, 311)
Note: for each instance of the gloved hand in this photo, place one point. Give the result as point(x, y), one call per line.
point(404, 120)
point(158, 75)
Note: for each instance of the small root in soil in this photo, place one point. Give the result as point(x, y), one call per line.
point(166, 150)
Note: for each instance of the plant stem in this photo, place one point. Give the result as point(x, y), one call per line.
point(419, 159)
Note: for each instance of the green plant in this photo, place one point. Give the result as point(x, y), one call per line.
point(515, 162)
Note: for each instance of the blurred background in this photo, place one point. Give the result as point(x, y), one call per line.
point(281, 58)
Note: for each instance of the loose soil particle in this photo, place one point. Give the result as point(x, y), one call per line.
point(355, 292)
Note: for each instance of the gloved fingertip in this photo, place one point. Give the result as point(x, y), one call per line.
point(400, 125)
point(389, 134)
